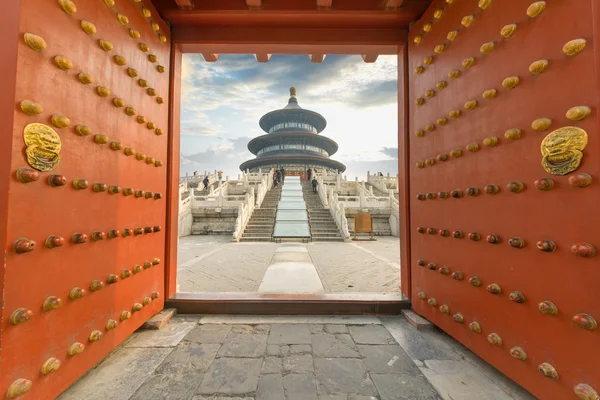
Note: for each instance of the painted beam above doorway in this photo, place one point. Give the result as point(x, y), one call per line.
point(254, 3)
point(370, 58)
point(393, 4)
point(185, 4)
point(210, 57)
point(317, 58)
point(285, 41)
point(262, 57)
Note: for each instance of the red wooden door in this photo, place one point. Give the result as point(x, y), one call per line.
point(504, 217)
point(85, 247)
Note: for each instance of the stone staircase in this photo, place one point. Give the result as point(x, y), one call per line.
point(262, 221)
point(322, 225)
point(376, 191)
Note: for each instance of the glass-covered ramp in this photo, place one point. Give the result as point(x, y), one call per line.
point(291, 220)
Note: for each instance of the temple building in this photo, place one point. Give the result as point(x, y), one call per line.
point(293, 142)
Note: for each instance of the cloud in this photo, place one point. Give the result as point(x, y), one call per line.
point(226, 156)
point(391, 152)
point(222, 103)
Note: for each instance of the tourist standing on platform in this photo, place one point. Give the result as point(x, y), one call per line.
point(282, 170)
point(314, 184)
point(205, 181)
point(309, 172)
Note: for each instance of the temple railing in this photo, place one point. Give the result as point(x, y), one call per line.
point(219, 200)
point(266, 183)
point(384, 183)
point(322, 191)
point(245, 210)
point(338, 212)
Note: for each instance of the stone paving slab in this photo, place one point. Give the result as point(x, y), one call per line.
point(243, 345)
point(270, 387)
point(451, 368)
point(298, 363)
point(300, 387)
point(347, 268)
point(371, 335)
point(171, 386)
point(331, 346)
point(387, 359)
point(211, 265)
point(237, 376)
point(339, 360)
point(290, 334)
point(118, 376)
point(406, 387)
point(419, 345)
point(169, 336)
point(189, 356)
point(343, 375)
point(208, 334)
point(291, 277)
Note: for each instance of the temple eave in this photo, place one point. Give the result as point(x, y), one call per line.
point(256, 144)
point(306, 160)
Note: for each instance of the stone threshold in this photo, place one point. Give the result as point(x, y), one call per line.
point(252, 303)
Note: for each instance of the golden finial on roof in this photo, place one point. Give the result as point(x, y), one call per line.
point(293, 91)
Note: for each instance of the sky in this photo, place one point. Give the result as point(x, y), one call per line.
point(223, 101)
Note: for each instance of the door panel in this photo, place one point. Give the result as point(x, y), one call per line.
point(443, 267)
point(52, 205)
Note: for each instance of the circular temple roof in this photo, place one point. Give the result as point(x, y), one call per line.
point(292, 113)
point(329, 145)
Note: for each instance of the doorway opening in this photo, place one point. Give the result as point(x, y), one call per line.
point(242, 122)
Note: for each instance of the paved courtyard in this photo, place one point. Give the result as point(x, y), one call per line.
point(292, 358)
point(215, 264)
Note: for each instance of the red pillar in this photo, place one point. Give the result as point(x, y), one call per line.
point(404, 171)
point(172, 227)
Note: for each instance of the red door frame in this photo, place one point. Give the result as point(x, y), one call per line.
point(9, 30)
point(289, 41)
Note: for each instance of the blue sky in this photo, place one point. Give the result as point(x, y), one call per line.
point(222, 103)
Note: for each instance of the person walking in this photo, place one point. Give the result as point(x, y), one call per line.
point(205, 181)
point(309, 172)
point(314, 184)
point(282, 170)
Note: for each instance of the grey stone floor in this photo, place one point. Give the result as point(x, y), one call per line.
point(292, 357)
point(215, 264)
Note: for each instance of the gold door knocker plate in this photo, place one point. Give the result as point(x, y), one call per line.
point(43, 146)
point(562, 150)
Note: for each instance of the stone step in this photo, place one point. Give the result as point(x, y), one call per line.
point(255, 239)
point(327, 239)
point(256, 235)
point(255, 229)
